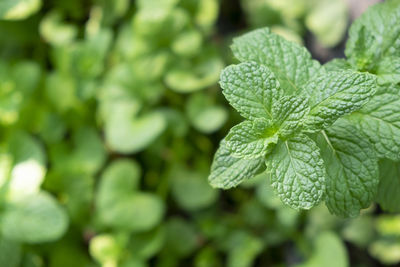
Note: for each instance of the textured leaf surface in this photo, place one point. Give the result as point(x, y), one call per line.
point(379, 120)
point(291, 63)
point(388, 70)
point(388, 195)
point(228, 171)
point(288, 114)
point(297, 172)
point(374, 35)
point(337, 64)
point(336, 94)
point(251, 89)
point(351, 167)
point(251, 139)
point(34, 219)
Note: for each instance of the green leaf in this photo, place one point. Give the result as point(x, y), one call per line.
point(77, 194)
point(29, 165)
point(204, 115)
point(146, 245)
point(297, 172)
point(136, 213)
point(187, 77)
point(374, 35)
point(113, 10)
point(117, 198)
point(207, 14)
point(52, 128)
point(18, 82)
point(120, 178)
point(388, 196)
point(244, 248)
point(335, 94)
point(359, 231)
point(191, 190)
point(207, 256)
point(85, 155)
point(26, 75)
point(61, 91)
point(327, 20)
point(18, 9)
point(329, 251)
point(386, 250)
point(260, 13)
point(388, 70)
point(127, 135)
point(388, 225)
point(105, 248)
point(119, 110)
point(157, 61)
point(290, 62)
point(187, 43)
point(288, 114)
point(265, 194)
point(55, 31)
point(337, 64)
point(379, 120)
point(182, 238)
point(351, 167)
point(251, 89)
point(251, 139)
point(228, 171)
point(89, 154)
point(34, 219)
point(87, 57)
point(210, 119)
point(156, 4)
point(160, 22)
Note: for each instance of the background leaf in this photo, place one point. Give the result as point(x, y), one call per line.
point(34, 219)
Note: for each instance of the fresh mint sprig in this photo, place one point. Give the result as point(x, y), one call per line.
point(319, 131)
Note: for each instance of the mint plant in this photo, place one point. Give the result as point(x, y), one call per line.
point(109, 114)
point(318, 131)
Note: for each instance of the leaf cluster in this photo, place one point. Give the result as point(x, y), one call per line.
point(319, 131)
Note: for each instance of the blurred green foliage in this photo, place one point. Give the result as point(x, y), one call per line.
point(326, 19)
point(110, 113)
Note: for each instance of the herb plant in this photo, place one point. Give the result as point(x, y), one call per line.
point(110, 113)
point(322, 133)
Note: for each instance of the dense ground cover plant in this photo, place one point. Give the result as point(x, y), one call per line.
point(110, 113)
point(319, 131)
